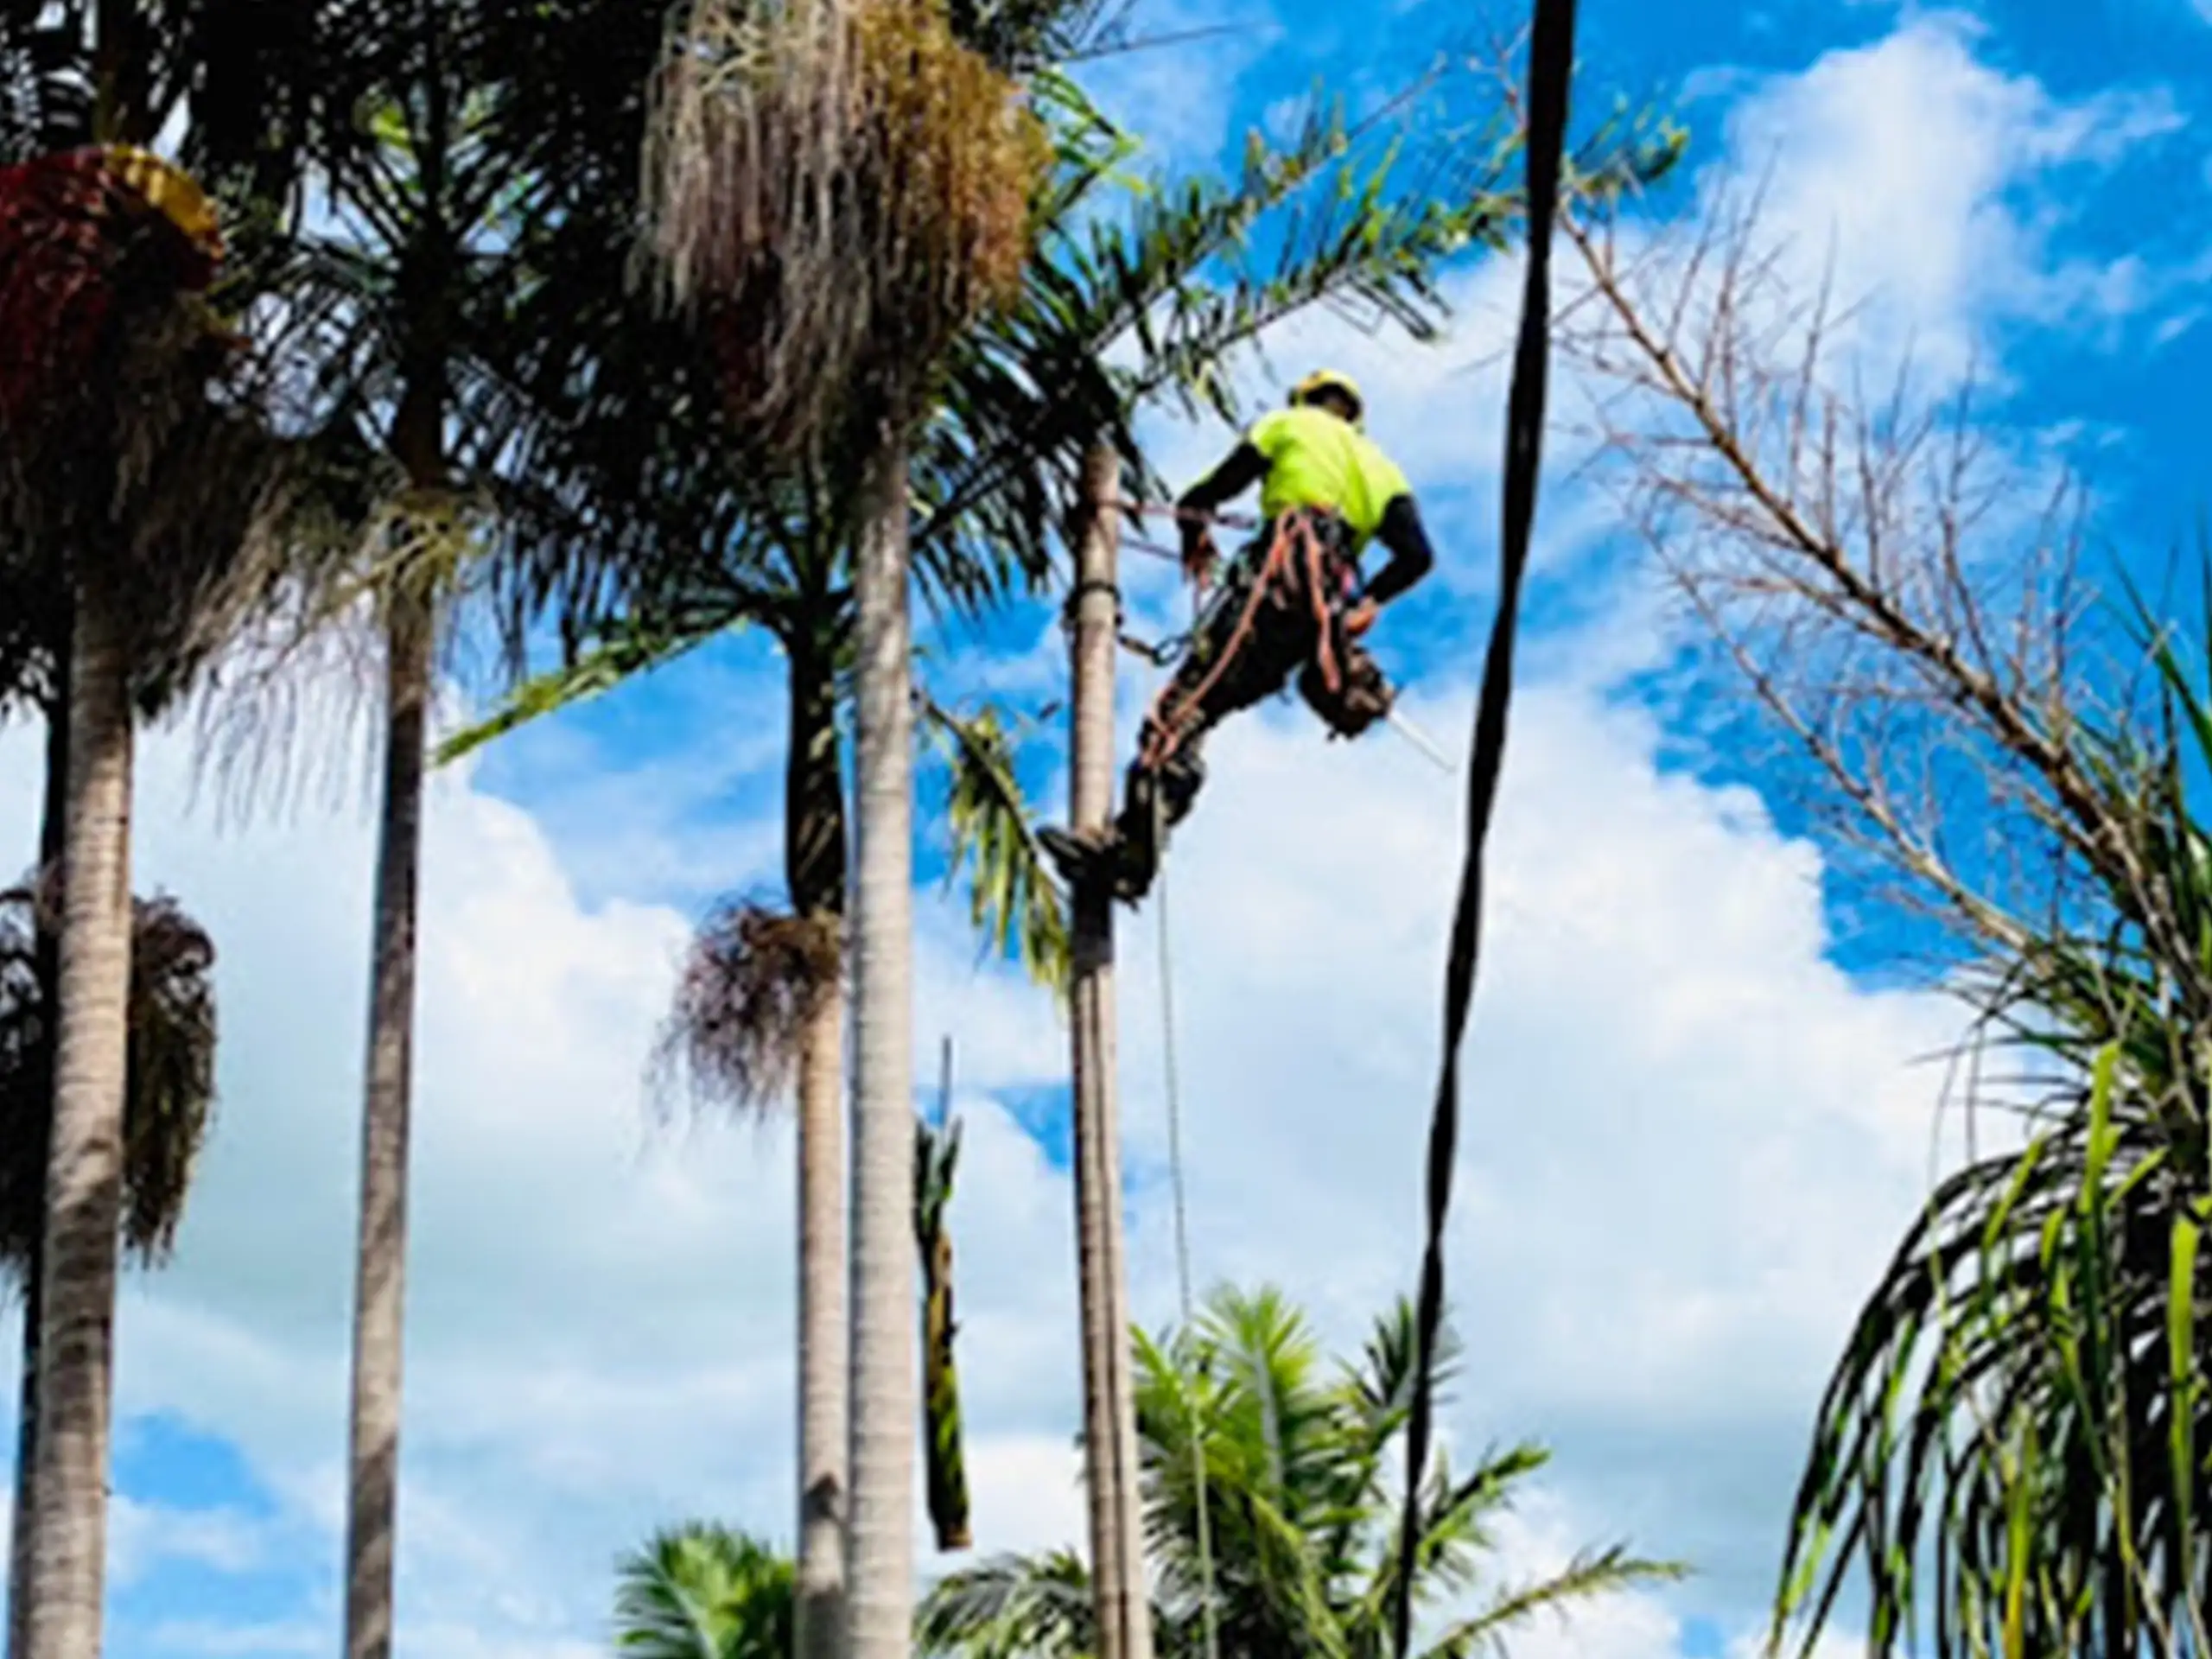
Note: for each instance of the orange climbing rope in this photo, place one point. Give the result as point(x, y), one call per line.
point(1296, 535)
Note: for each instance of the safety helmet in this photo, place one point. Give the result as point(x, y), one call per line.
point(1323, 380)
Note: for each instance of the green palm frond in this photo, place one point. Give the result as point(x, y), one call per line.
point(1013, 900)
point(625, 649)
point(1011, 1607)
point(1302, 1526)
point(1591, 1574)
point(703, 1592)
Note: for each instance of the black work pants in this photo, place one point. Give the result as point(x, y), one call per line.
point(1263, 626)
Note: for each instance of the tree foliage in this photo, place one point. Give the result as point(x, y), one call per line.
point(170, 1088)
point(1296, 1454)
point(702, 1591)
point(2011, 1455)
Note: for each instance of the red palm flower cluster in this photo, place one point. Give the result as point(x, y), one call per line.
point(83, 233)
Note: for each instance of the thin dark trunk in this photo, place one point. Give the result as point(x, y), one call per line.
point(47, 965)
point(814, 785)
point(372, 1447)
point(814, 856)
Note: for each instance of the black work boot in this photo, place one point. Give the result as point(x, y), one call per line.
point(1080, 855)
point(1107, 855)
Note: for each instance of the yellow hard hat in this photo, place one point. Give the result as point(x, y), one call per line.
point(170, 191)
point(1330, 380)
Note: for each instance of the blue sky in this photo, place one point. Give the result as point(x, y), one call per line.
point(1696, 1116)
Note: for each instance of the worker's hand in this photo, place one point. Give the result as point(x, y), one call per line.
point(1199, 558)
point(1361, 617)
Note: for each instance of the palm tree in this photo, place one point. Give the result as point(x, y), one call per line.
point(1025, 390)
point(849, 184)
point(134, 539)
point(2011, 1446)
point(426, 132)
point(1299, 1552)
point(169, 1092)
point(132, 488)
point(703, 1592)
point(2009, 1455)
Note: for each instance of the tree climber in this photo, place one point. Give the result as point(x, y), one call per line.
point(1293, 602)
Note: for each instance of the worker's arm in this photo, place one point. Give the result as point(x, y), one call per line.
point(1244, 467)
point(1402, 534)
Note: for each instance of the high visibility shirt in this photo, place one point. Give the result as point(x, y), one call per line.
point(1315, 459)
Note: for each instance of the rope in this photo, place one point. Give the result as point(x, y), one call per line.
point(1209, 1613)
point(1167, 726)
point(1551, 56)
point(1190, 515)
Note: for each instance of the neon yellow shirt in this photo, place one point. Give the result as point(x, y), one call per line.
point(1317, 460)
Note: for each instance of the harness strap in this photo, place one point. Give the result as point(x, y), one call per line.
point(1170, 723)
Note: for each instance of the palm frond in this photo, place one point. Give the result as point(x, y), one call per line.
point(702, 1591)
point(937, 1156)
point(1011, 1607)
point(1302, 1541)
point(1013, 899)
point(625, 650)
point(1591, 1574)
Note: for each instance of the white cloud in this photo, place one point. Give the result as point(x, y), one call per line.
point(142, 1535)
point(1922, 177)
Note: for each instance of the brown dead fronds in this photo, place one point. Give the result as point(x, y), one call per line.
point(750, 980)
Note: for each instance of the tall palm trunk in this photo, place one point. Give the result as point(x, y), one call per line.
point(879, 1594)
point(813, 856)
point(84, 1191)
point(48, 968)
point(373, 1448)
point(47, 965)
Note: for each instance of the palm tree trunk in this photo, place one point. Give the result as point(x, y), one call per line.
point(373, 1440)
point(47, 950)
point(879, 1594)
point(814, 853)
point(1109, 1431)
point(85, 1168)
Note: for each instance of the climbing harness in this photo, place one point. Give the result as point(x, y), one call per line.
point(1551, 57)
point(1295, 548)
point(1374, 701)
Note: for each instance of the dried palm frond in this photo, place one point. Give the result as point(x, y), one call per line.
point(936, 1157)
point(838, 186)
point(169, 1088)
point(752, 978)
